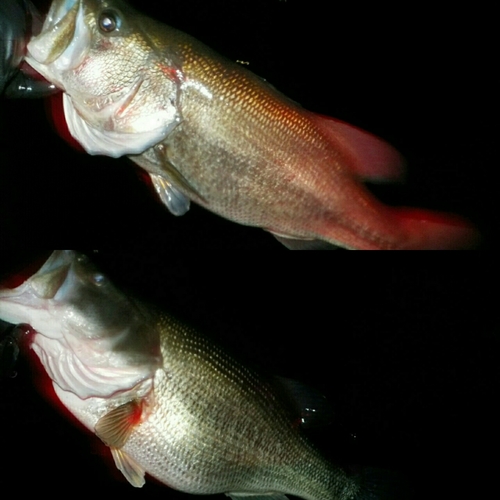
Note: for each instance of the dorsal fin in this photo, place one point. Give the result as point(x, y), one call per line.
point(368, 156)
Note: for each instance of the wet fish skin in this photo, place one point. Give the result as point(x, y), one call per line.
point(164, 398)
point(208, 130)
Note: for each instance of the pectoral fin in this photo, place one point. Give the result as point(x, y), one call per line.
point(175, 178)
point(132, 471)
point(115, 427)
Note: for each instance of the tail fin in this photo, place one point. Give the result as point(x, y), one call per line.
point(382, 484)
point(435, 231)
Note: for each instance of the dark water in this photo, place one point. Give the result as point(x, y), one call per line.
point(405, 347)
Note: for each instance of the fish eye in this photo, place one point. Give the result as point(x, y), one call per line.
point(109, 21)
point(98, 279)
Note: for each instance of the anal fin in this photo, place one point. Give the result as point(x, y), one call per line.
point(293, 243)
point(272, 495)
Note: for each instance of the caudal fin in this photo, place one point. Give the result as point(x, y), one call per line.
point(428, 230)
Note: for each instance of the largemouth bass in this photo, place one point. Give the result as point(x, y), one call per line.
point(208, 130)
point(165, 399)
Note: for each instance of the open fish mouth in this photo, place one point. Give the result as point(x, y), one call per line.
point(90, 356)
point(63, 41)
point(44, 284)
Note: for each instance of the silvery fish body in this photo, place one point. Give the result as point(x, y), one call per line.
point(208, 130)
point(162, 397)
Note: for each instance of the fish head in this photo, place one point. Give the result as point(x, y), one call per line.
point(92, 339)
point(120, 91)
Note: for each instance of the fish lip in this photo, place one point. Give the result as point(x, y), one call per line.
point(58, 10)
point(62, 42)
point(58, 261)
point(33, 293)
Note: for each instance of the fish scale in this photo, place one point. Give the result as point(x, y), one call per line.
point(239, 436)
point(248, 125)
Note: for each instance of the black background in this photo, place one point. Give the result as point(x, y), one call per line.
point(405, 347)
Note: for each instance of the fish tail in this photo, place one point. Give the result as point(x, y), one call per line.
point(427, 230)
point(382, 484)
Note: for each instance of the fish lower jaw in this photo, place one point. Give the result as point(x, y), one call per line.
point(45, 72)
